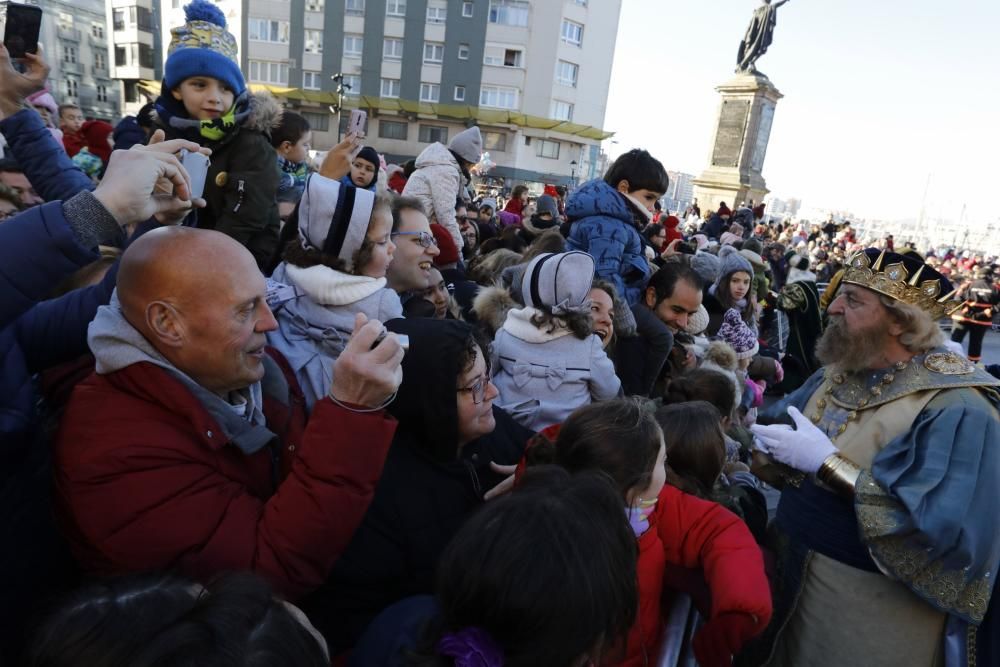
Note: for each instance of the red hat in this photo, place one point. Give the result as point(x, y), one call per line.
point(671, 222)
point(724, 210)
point(96, 133)
point(758, 211)
point(446, 244)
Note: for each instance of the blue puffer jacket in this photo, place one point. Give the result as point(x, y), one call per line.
point(602, 225)
point(45, 163)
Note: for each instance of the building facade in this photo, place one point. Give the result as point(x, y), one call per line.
point(74, 39)
point(136, 53)
point(427, 69)
point(680, 193)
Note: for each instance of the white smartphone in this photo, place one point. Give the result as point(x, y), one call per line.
point(196, 165)
point(356, 123)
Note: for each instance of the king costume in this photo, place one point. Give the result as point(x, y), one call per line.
point(900, 569)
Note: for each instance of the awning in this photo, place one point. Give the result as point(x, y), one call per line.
point(453, 111)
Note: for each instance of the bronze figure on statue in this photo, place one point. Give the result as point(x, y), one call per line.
point(758, 36)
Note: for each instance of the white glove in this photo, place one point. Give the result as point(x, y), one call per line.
point(804, 448)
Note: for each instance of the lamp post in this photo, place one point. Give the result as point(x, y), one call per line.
point(572, 173)
point(341, 90)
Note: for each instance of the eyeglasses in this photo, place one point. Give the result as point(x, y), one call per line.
point(425, 239)
point(478, 388)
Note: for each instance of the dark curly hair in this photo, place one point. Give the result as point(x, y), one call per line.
point(580, 324)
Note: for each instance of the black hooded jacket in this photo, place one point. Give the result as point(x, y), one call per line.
point(426, 491)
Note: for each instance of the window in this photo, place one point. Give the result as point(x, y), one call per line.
point(143, 18)
point(99, 60)
point(545, 148)
point(509, 12)
point(317, 121)
point(118, 19)
point(501, 57)
point(97, 30)
point(430, 92)
point(311, 80)
point(562, 110)
point(131, 91)
point(121, 60)
point(430, 133)
point(392, 48)
point(566, 73)
point(146, 57)
point(354, 81)
point(463, 51)
point(313, 41)
point(395, 7)
point(494, 141)
point(71, 87)
point(266, 30)
point(102, 94)
point(572, 33)
point(266, 71)
point(390, 87)
point(175, 4)
point(353, 46)
point(437, 14)
point(513, 58)
point(392, 129)
point(354, 6)
point(69, 54)
point(498, 97)
point(315, 5)
point(459, 93)
point(467, 9)
point(433, 52)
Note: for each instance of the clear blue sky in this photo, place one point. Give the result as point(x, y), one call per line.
point(878, 94)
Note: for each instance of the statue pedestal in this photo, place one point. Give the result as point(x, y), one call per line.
point(739, 145)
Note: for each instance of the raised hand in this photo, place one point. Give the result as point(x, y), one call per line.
point(16, 86)
point(366, 376)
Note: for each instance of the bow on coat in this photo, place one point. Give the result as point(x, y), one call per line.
point(553, 375)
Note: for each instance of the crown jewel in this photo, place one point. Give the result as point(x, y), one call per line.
point(894, 281)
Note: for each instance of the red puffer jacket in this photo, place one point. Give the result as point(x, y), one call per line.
point(690, 533)
point(145, 481)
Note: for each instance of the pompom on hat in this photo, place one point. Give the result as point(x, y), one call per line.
point(559, 283)
point(333, 217)
point(739, 336)
point(203, 47)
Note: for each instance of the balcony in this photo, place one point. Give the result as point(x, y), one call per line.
point(68, 33)
point(70, 68)
point(100, 72)
point(98, 42)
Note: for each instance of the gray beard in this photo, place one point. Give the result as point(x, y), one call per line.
point(848, 353)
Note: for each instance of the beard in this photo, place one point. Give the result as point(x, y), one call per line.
point(849, 351)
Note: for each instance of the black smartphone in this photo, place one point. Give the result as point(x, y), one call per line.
point(21, 32)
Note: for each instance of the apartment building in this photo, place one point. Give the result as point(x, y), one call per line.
point(136, 47)
point(534, 75)
point(74, 38)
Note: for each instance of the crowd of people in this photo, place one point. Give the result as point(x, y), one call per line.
point(350, 413)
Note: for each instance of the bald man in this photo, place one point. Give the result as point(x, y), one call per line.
point(188, 447)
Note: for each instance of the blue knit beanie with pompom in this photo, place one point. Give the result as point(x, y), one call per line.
point(203, 47)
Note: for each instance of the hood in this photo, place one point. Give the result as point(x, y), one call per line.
point(491, 305)
point(434, 155)
point(425, 404)
point(598, 198)
point(116, 345)
point(800, 276)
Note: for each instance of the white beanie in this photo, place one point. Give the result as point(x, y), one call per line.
point(559, 283)
point(468, 144)
point(334, 217)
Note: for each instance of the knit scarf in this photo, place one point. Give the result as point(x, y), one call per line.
point(173, 114)
point(297, 170)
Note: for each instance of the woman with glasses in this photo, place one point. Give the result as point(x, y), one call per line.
point(435, 476)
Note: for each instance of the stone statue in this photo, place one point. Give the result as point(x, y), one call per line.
point(758, 37)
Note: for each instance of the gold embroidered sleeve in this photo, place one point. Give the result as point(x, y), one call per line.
point(900, 556)
point(792, 297)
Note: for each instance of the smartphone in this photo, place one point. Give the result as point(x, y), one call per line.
point(403, 339)
point(196, 165)
point(357, 121)
point(21, 31)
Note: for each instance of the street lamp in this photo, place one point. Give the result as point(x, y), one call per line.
point(341, 90)
point(572, 173)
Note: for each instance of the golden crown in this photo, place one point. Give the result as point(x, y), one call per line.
point(894, 281)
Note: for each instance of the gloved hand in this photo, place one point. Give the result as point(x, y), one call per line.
point(722, 637)
point(804, 448)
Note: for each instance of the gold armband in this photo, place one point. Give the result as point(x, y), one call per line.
point(840, 474)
